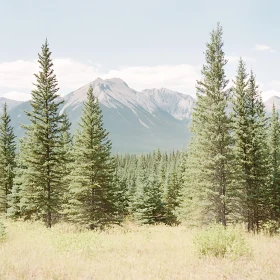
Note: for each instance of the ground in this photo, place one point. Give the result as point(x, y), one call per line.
point(31, 251)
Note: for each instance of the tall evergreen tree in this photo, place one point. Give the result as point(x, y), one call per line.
point(67, 160)
point(148, 206)
point(208, 174)
point(7, 159)
point(171, 196)
point(242, 141)
point(257, 182)
point(42, 151)
point(274, 160)
point(92, 192)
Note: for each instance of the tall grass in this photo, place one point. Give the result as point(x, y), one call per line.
point(218, 241)
point(30, 251)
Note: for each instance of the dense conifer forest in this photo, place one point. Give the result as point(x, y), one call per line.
point(229, 173)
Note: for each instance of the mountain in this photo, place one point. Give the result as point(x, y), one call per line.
point(10, 103)
point(269, 103)
point(176, 104)
point(137, 121)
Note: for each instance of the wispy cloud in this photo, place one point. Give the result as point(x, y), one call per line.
point(266, 94)
point(16, 95)
point(259, 47)
point(234, 59)
point(17, 78)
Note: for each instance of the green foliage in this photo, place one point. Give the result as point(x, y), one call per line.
point(274, 160)
point(207, 176)
point(219, 241)
point(151, 185)
point(42, 152)
point(250, 152)
point(7, 159)
point(270, 227)
point(2, 231)
point(92, 192)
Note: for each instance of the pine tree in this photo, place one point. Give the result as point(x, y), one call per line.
point(257, 181)
point(204, 196)
point(148, 206)
point(42, 151)
point(171, 197)
point(242, 140)
point(65, 167)
point(274, 161)
point(92, 190)
point(7, 159)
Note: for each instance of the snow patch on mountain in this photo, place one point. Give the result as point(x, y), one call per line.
point(175, 103)
point(143, 124)
point(115, 93)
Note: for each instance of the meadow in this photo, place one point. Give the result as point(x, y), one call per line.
point(31, 251)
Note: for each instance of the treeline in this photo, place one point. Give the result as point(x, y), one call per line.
point(230, 172)
point(151, 186)
point(54, 177)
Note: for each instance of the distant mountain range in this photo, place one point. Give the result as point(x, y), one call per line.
point(137, 121)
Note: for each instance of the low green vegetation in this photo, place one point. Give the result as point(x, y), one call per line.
point(218, 241)
point(2, 231)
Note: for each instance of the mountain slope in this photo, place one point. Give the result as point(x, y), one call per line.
point(137, 121)
point(269, 103)
point(176, 104)
point(10, 103)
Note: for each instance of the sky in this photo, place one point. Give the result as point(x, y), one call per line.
point(147, 43)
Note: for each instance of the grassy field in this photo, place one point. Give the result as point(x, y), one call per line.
point(31, 251)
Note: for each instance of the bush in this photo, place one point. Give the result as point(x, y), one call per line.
point(271, 227)
point(2, 231)
point(220, 242)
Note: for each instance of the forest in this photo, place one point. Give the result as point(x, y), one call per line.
point(71, 209)
point(229, 173)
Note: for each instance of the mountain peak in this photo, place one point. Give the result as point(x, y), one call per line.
point(116, 80)
point(272, 100)
point(97, 80)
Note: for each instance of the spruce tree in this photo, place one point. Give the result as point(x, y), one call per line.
point(67, 160)
point(171, 197)
point(92, 192)
point(42, 150)
point(148, 205)
point(242, 141)
point(7, 159)
point(274, 161)
point(207, 177)
point(257, 182)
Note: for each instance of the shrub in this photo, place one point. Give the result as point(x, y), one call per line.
point(271, 227)
point(220, 242)
point(2, 231)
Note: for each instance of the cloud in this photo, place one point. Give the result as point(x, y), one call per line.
point(16, 95)
point(234, 59)
point(175, 77)
point(17, 78)
point(259, 47)
point(269, 93)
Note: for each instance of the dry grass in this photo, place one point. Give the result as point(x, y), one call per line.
point(159, 252)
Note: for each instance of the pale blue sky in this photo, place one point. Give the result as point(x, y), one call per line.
point(147, 43)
